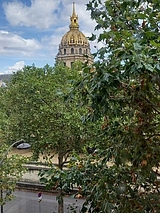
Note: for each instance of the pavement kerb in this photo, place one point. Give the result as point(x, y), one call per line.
point(39, 187)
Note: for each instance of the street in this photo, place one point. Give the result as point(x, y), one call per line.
point(27, 202)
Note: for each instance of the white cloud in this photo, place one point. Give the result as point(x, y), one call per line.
point(41, 14)
point(17, 66)
point(13, 44)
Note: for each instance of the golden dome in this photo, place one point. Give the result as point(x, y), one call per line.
point(74, 45)
point(74, 36)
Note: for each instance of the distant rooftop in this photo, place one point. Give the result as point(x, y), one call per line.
point(5, 77)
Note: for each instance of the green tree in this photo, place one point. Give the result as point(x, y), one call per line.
point(11, 171)
point(123, 88)
point(34, 103)
point(37, 113)
point(11, 167)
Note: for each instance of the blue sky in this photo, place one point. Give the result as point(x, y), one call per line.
point(31, 30)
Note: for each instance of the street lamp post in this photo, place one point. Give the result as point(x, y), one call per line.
point(39, 200)
point(1, 162)
point(1, 198)
point(5, 154)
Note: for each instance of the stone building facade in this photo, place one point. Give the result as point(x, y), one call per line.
point(74, 45)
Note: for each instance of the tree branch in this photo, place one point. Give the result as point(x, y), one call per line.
point(154, 106)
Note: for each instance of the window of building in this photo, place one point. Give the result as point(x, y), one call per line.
point(80, 50)
point(72, 50)
point(64, 51)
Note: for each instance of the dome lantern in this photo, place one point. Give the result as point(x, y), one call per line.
point(74, 19)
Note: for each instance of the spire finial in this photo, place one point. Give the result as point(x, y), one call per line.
point(74, 11)
point(74, 19)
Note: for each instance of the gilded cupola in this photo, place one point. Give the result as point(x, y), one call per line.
point(74, 45)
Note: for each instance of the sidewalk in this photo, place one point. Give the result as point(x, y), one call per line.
point(27, 202)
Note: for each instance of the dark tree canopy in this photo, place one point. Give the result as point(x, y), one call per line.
point(123, 88)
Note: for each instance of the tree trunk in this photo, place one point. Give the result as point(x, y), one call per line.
point(60, 193)
point(60, 202)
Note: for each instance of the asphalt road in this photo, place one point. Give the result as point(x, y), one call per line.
point(27, 202)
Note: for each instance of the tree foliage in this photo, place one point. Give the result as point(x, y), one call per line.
point(11, 171)
point(11, 167)
point(123, 88)
point(34, 102)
